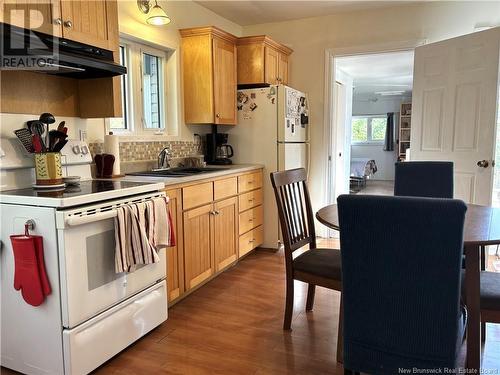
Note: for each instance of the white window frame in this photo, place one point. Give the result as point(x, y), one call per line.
point(369, 140)
point(134, 86)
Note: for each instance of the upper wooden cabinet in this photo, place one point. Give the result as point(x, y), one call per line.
point(35, 14)
point(261, 60)
point(93, 22)
point(209, 76)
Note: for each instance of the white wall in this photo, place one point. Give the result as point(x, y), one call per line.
point(309, 38)
point(132, 23)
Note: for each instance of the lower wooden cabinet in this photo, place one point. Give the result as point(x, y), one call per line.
point(207, 216)
point(198, 259)
point(175, 255)
point(225, 233)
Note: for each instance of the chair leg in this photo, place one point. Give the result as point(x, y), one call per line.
point(483, 258)
point(483, 331)
point(340, 335)
point(287, 324)
point(310, 297)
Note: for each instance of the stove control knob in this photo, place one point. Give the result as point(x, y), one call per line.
point(85, 150)
point(76, 149)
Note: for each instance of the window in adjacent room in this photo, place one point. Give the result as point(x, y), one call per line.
point(368, 129)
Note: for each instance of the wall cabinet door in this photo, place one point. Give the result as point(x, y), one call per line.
point(198, 260)
point(283, 69)
point(271, 64)
point(86, 22)
point(175, 257)
point(42, 15)
point(224, 58)
point(225, 233)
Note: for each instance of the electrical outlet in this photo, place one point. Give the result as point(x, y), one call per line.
point(83, 135)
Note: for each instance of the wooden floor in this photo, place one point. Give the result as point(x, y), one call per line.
point(378, 187)
point(233, 325)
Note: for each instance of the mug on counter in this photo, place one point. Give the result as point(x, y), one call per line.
point(48, 168)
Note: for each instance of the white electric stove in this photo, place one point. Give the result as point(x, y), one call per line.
point(92, 313)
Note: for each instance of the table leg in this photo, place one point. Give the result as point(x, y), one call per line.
point(472, 288)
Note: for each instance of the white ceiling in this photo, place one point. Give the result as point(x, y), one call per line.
point(245, 12)
point(379, 72)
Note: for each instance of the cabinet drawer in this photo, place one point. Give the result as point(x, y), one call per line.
point(251, 240)
point(197, 195)
point(250, 199)
point(250, 219)
point(225, 188)
point(249, 182)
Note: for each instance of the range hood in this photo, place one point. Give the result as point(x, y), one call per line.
point(29, 50)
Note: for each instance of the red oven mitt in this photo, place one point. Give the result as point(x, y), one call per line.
point(30, 275)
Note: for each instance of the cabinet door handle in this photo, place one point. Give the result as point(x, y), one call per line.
point(58, 21)
point(68, 24)
point(252, 240)
point(250, 220)
point(250, 200)
point(217, 212)
point(212, 213)
point(217, 115)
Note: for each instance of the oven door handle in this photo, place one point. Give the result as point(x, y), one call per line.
point(74, 221)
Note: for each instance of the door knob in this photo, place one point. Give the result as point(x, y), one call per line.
point(58, 21)
point(68, 24)
point(483, 163)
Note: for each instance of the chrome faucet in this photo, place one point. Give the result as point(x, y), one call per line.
point(164, 158)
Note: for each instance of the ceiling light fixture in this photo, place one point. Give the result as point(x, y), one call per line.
point(389, 93)
point(156, 14)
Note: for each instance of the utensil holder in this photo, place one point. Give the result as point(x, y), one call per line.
point(48, 168)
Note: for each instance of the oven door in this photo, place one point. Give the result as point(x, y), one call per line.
point(89, 283)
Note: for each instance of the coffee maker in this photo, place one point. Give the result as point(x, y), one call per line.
point(217, 151)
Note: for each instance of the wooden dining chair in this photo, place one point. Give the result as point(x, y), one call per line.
point(315, 266)
point(401, 264)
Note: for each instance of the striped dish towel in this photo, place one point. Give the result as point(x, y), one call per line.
point(141, 229)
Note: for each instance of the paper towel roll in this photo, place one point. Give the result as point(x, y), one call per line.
point(112, 146)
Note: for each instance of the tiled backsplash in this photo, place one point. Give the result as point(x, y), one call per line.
point(139, 151)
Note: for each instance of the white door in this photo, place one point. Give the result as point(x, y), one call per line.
point(455, 88)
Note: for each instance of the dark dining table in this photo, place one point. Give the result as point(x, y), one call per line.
point(481, 228)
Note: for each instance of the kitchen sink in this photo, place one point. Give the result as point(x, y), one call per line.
point(177, 172)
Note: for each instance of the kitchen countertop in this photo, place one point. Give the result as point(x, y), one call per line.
point(225, 170)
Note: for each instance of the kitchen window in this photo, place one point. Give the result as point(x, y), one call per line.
point(144, 90)
point(368, 129)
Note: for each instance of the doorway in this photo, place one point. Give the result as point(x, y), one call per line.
point(372, 98)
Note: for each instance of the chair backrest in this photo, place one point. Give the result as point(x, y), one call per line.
point(401, 264)
point(294, 209)
point(432, 179)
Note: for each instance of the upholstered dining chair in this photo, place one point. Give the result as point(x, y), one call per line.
point(489, 299)
point(315, 266)
point(433, 179)
point(401, 264)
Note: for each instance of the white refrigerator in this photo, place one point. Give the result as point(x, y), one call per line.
point(272, 130)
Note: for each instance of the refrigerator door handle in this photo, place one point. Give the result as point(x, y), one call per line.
point(308, 155)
